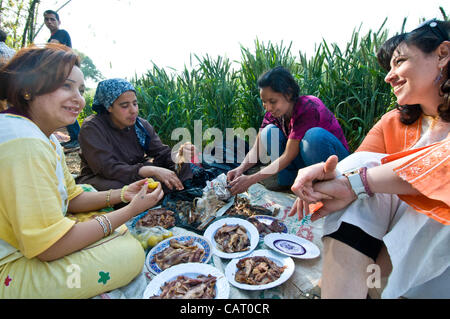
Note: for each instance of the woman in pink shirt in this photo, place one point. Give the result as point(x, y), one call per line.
point(296, 131)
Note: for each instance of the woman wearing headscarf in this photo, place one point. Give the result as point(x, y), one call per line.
point(119, 147)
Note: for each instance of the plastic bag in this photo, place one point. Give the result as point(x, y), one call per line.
point(219, 185)
point(150, 236)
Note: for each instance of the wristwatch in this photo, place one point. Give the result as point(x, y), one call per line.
point(356, 182)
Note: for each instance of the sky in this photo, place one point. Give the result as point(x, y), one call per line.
point(124, 37)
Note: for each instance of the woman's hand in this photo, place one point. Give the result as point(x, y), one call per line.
point(240, 184)
point(168, 177)
point(303, 186)
point(187, 153)
point(336, 194)
point(341, 192)
point(144, 198)
point(133, 189)
point(233, 174)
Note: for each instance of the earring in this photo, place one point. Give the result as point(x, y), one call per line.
point(27, 96)
point(439, 77)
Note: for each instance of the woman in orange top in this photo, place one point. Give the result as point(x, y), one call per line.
point(406, 234)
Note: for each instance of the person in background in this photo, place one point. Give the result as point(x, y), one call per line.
point(6, 53)
point(52, 22)
point(118, 147)
point(40, 247)
point(297, 131)
point(387, 206)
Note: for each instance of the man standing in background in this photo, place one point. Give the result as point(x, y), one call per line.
point(52, 22)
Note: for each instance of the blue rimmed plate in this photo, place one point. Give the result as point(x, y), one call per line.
point(252, 234)
point(292, 245)
point(199, 241)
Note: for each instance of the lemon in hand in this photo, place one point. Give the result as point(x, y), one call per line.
point(152, 184)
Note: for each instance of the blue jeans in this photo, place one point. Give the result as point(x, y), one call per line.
point(73, 130)
point(316, 146)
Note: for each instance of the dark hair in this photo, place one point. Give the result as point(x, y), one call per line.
point(426, 38)
point(35, 71)
point(3, 36)
point(280, 80)
point(52, 12)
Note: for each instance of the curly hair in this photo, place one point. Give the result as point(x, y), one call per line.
point(427, 38)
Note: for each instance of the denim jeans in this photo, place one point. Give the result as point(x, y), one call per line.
point(73, 130)
point(316, 146)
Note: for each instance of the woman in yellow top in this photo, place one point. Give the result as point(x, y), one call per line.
point(43, 253)
point(389, 211)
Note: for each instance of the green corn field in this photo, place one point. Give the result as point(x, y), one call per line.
point(224, 94)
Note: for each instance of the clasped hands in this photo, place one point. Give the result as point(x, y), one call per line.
point(320, 183)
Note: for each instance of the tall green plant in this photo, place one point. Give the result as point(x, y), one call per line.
point(253, 65)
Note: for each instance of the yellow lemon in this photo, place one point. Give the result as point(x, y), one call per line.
point(144, 244)
point(154, 240)
point(152, 184)
point(167, 234)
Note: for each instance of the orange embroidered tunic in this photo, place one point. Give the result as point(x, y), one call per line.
point(427, 172)
point(390, 136)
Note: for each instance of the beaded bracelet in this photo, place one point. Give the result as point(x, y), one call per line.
point(122, 192)
point(109, 223)
point(363, 175)
point(105, 228)
point(108, 198)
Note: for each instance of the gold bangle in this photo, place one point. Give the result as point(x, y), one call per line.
point(122, 192)
point(108, 199)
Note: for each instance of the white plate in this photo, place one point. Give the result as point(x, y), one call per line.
point(265, 219)
point(199, 241)
point(292, 245)
point(280, 260)
point(252, 233)
point(191, 270)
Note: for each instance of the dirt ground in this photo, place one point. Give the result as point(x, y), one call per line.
point(73, 162)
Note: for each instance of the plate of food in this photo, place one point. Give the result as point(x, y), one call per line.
point(292, 245)
point(157, 217)
point(232, 237)
point(267, 225)
point(189, 281)
point(262, 269)
point(178, 250)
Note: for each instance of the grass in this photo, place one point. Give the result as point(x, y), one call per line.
point(348, 80)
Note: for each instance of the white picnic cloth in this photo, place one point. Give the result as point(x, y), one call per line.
point(307, 271)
